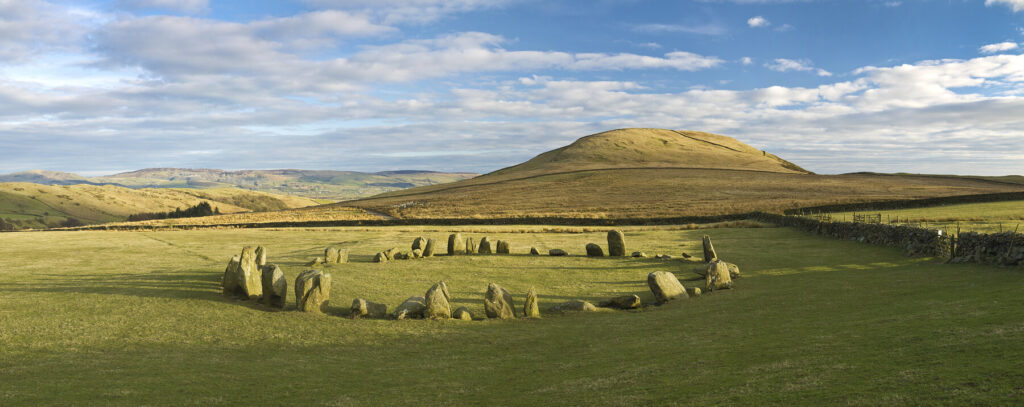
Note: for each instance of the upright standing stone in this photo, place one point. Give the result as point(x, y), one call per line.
point(261, 256)
point(419, 243)
point(342, 255)
point(412, 307)
point(503, 247)
point(498, 303)
point(665, 286)
point(471, 245)
point(593, 250)
point(485, 246)
point(438, 302)
point(249, 283)
point(380, 257)
point(312, 291)
point(275, 286)
point(534, 251)
point(616, 243)
point(230, 279)
point(367, 309)
point(530, 308)
point(718, 277)
point(455, 244)
point(709, 250)
point(428, 248)
point(331, 255)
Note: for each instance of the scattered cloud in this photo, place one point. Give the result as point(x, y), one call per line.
point(746, 60)
point(998, 47)
point(409, 11)
point(1016, 5)
point(702, 29)
point(758, 21)
point(786, 65)
point(184, 6)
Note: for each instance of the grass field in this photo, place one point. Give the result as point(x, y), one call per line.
point(130, 318)
point(989, 217)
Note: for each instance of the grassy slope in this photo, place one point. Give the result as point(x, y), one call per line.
point(40, 205)
point(813, 322)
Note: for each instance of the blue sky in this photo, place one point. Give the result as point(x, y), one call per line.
point(98, 87)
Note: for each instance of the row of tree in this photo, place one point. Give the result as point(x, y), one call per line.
point(202, 209)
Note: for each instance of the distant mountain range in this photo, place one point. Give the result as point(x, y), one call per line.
point(323, 185)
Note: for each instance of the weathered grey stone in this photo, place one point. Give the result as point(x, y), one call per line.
point(380, 257)
point(455, 244)
point(734, 270)
point(391, 253)
point(717, 277)
point(616, 243)
point(437, 300)
point(411, 308)
point(622, 302)
point(709, 250)
point(485, 246)
point(261, 256)
point(331, 255)
point(471, 245)
point(229, 281)
point(665, 286)
point(576, 306)
point(534, 251)
point(312, 291)
point(462, 313)
point(419, 243)
point(315, 261)
point(247, 272)
point(503, 247)
point(498, 303)
point(530, 307)
point(557, 252)
point(416, 253)
point(367, 309)
point(342, 256)
point(593, 250)
point(275, 286)
point(693, 291)
point(639, 254)
point(428, 249)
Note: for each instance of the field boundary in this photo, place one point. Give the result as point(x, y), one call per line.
point(909, 203)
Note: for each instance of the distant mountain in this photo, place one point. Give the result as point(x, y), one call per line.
point(324, 185)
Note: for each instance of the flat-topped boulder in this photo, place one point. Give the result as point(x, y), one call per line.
point(498, 303)
point(362, 308)
point(665, 286)
point(593, 250)
point(616, 243)
point(622, 302)
point(557, 252)
point(312, 291)
point(411, 308)
point(639, 254)
point(438, 302)
point(275, 286)
point(576, 306)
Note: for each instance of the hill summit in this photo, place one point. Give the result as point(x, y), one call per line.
point(652, 148)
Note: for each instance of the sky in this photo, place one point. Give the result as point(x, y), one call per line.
point(99, 87)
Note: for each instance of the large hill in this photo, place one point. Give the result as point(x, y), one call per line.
point(326, 185)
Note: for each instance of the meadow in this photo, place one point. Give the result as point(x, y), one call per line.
point(130, 318)
point(988, 217)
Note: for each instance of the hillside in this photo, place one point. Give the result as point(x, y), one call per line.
point(30, 205)
point(324, 185)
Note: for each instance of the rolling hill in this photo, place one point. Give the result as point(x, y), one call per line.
point(323, 185)
point(30, 205)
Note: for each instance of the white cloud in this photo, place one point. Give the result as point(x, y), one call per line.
point(702, 29)
point(758, 21)
point(29, 28)
point(410, 11)
point(998, 47)
point(185, 6)
point(746, 61)
point(1016, 5)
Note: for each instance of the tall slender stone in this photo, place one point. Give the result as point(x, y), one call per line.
point(709, 250)
point(530, 307)
point(616, 243)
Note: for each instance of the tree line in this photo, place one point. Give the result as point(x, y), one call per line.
point(202, 209)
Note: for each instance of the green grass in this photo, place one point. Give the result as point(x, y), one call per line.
point(986, 217)
point(130, 318)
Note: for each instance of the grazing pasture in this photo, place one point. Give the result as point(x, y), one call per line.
point(988, 217)
point(129, 318)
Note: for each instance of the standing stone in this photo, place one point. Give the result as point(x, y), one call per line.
point(417, 253)
point(428, 249)
point(312, 291)
point(437, 299)
point(331, 255)
point(471, 245)
point(498, 303)
point(530, 308)
point(342, 255)
point(380, 257)
point(419, 243)
point(455, 244)
point(534, 251)
point(665, 286)
point(249, 284)
point(616, 243)
point(485, 246)
point(717, 277)
point(557, 252)
point(503, 247)
point(411, 308)
point(734, 270)
point(261, 256)
point(593, 250)
point(230, 279)
point(275, 286)
point(367, 309)
point(462, 314)
point(709, 250)
point(315, 261)
point(622, 302)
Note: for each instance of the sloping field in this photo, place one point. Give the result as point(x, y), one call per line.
point(812, 322)
point(987, 217)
